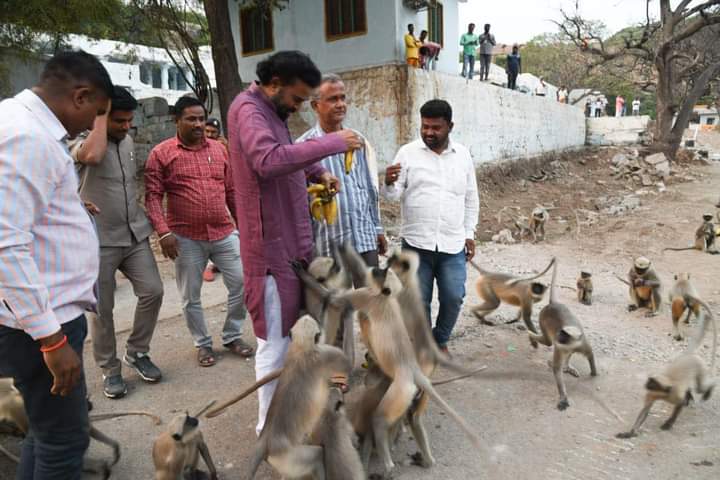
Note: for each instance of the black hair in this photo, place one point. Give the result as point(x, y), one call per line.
point(122, 100)
point(437, 109)
point(424, 51)
point(77, 66)
point(289, 66)
point(186, 102)
point(411, 25)
point(486, 26)
point(213, 122)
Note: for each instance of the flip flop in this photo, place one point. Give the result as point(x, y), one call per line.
point(206, 357)
point(240, 347)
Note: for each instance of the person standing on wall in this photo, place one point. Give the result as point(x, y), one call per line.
point(469, 42)
point(636, 107)
point(107, 168)
point(272, 202)
point(541, 90)
point(429, 52)
point(358, 219)
point(434, 179)
point(562, 95)
point(619, 106)
point(412, 47)
point(48, 260)
point(194, 172)
point(487, 42)
point(514, 67)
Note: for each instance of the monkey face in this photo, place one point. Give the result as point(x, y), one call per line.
point(322, 268)
point(682, 276)
point(707, 217)
point(537, 290)
point(641, 271)
point(585, 275)
point(182, 426)
point(384, 282)
point(404, 264)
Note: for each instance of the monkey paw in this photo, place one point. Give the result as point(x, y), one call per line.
point(651, 314)
point(533, 343)
point(632, 308)
point(626, 435)
point(418, 459)
point(678, 337)
point(572, 371)
point(563, 404)
point(666, 426)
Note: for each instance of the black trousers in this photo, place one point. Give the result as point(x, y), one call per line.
point(512, 80)
point(59, 426)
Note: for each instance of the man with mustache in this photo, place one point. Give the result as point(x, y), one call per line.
point(434, 178)
point(194, 172)
point(270, 179)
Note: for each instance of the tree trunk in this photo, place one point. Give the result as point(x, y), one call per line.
point(665, 108)
point(227, 75)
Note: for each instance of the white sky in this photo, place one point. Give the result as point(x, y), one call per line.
point(520, 20)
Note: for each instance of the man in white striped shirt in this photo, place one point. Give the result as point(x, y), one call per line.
point(358, 210)
point(48, 260)
point(434, 178)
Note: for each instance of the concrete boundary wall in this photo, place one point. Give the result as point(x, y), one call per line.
point(617, 130)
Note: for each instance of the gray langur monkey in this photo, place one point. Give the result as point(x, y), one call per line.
point(704, 238)
point(301, 395)
point(177, 451)
point(334, 434)
point(675, 384)
point(538, 218)
point(585, 288)
point(562, 331)
point(683, 296)
point(494, 288)
point(385, 335)
point(645, 287)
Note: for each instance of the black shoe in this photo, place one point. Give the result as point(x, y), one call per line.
point(141, 363)
point(114, 386)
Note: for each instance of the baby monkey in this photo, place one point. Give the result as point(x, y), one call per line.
point(704, 237)
point(585, 288)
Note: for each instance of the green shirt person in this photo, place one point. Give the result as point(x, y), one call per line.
point(469, 42)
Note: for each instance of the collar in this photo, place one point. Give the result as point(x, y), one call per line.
point(39, 108)
point(450, 148)
point(179, 143)
point(257, 92)
point(320, 131)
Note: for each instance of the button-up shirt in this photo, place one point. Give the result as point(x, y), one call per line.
point(48, 247)
point(358, 212)
point(439, 196)
point(199, 186)
point(469, 42)
point(112, 186)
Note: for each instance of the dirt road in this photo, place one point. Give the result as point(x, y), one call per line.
point(513, 406)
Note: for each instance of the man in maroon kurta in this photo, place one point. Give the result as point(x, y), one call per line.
point(270, 176)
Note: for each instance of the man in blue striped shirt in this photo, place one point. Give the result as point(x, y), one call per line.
point(358, 211)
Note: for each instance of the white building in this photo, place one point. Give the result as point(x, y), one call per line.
point(706, 115)
point(342, 35)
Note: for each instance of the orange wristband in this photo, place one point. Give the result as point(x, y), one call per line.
point(57, 346)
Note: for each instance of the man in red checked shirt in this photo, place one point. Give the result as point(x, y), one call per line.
point(200, 222)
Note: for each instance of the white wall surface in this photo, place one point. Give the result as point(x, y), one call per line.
point(616, 130)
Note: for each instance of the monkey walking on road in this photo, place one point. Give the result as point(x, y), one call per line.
point(683, 296)
point(585, 288)
point(538, 218)
point(645, 287)
point(562, 331)
point(704, 238)
point(177, 451)
point(675, 384)
point(494, 288)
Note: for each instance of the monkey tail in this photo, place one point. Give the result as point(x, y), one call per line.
point(673, 249)
point(459, 377)
point(425, 384)
point(477, 267)
point(528, 279)
point(703, 330)
point(553, 262)
point(205, 408)
point(7, 453)
point(623, 280)
point(266, 379)
point(107, 416)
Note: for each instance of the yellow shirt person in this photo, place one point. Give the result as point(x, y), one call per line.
point(412, 47)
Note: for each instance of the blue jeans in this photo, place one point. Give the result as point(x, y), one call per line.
point(468, 72)
point(59, 427)
point(449, 270)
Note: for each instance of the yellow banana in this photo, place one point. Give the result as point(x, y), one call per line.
point(316, 188)
point(348, 161)
point(316, 209)
point(330, 211)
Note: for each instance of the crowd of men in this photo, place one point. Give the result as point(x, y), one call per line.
point(69, 220)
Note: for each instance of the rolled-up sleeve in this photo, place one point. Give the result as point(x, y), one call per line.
point(24, 196)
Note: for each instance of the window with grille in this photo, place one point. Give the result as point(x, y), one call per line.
point(344, 18)
point(435, 24)
point(256, 31)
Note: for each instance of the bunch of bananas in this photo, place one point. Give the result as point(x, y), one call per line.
point(322, 203)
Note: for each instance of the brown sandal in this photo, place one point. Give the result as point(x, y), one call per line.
point(206, 357)
point(240, 347)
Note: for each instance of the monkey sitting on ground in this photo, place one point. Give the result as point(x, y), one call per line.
point(176, 452)
point(562, 331)
point(494, 288)
point(585, 288)
point(645, 287)
point(675, 384)
point(334, 434)
point(13, 416)
point(300, 397)
point(683, 296)
point(538, 218)
point(386, 337)
point(704, 238)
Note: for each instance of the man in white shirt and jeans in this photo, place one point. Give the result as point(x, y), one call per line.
point(434, 178)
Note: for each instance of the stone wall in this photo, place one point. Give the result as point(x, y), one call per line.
point(151, 125)
point(616, 130)
point(493, 122)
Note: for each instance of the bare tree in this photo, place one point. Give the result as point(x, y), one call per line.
point(676, 56)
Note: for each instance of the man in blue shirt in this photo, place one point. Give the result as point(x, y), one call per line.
point(514, 67)
point(358, 213)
